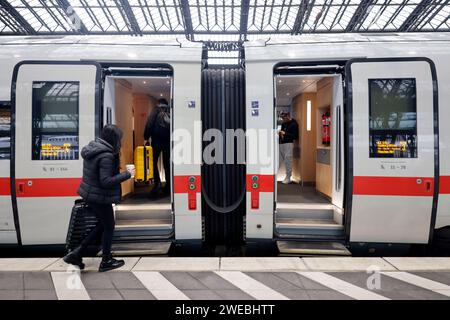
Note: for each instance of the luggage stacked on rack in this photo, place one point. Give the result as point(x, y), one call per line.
point(143, 161)
point(82, 221)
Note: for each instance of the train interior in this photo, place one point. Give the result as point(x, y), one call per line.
point(141, 220)
point(310, 207)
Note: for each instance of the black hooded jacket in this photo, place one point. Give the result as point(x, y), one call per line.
point(101, 178)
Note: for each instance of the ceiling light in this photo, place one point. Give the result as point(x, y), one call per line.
point(144, 82)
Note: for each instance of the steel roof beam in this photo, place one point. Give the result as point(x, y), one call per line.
point(27, 28)
point(303, 14)
point(418, 12)
point(243, 28)
point(359, 16)
point(187, 18)
point(129, 17)
point(10, 22)
point(75, 21)
point(431, 14)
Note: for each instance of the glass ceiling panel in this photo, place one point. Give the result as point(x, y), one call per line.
point(216, 16)
point(388, 17)
point(43, 16)
point(212, 17)
point(100, 15)
point(4, 27)
point(438, 18)
point(275, 15)
point(4, 22)
point(154, 15)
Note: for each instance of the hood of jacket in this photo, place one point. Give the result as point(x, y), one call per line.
point(96, 147)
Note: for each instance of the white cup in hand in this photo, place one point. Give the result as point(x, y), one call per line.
point(132, 170)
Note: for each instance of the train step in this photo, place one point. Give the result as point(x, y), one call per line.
point(299, 248)
point(143, 211)
point(143, 228)
point(305, 211)
point(140, 249)
point(306, 227)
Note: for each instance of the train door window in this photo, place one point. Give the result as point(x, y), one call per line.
point(5, 130)
point(393, 118)
point(55, 127)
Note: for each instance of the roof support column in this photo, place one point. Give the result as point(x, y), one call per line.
point(186, 13)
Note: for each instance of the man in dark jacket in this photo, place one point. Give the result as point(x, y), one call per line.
point(288, 133)
point(158, 130)
point(100, 188)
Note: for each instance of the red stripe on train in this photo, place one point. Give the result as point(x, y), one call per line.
point(49, 187)
point(444, 185)
point(266, 183)
point(393, 186)
point(181, 184)
point(5, 187)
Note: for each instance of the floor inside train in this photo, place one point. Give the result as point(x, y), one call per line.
point(296, 193)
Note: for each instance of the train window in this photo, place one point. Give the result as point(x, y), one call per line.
point(5, 130)
point(55, 134)
point(393, 118)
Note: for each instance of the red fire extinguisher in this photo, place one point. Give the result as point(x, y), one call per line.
point(326, 128)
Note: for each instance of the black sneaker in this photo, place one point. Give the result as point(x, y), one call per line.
point(74, 258)
point(109, 263)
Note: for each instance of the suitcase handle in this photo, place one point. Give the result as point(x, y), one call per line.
point(145, 162)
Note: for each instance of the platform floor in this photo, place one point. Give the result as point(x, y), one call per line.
point(278, 278)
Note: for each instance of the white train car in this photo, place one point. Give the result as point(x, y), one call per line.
point(382, 177)
point(58, 93)
point(385, 172)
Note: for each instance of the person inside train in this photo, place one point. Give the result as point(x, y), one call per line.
point(158, 130)
point(100, 188)
point(287, 135)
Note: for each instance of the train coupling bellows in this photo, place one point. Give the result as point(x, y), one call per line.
point(140, 249)
point(303, 248)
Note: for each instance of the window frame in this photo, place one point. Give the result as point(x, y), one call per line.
point(374, 155)
point(6, 105)
point(33, 129)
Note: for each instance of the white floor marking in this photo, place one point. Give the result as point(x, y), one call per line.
point(342, 286)
point(420, 282)
point(250, 286)
point(68, 286)
point(159, 286)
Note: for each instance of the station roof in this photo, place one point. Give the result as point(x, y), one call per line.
point(220, 20)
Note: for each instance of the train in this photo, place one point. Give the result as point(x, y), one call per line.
point(371, 165)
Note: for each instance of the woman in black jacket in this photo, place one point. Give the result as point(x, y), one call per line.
point(100, 188)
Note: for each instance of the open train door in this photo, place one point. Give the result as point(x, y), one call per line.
point(56, 111)
point(393, 150)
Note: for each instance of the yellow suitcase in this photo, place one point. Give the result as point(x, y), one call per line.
point(143, 161)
